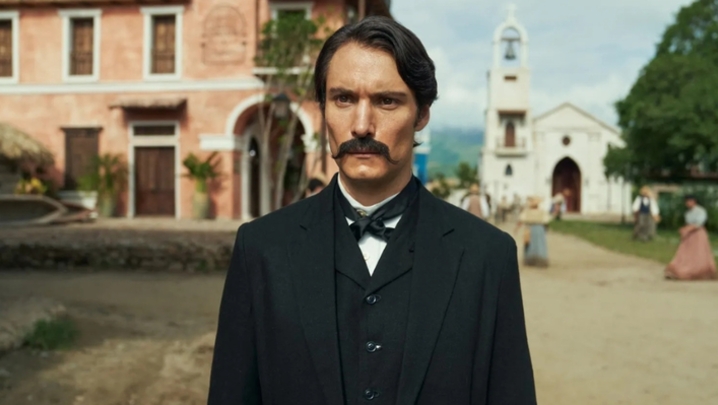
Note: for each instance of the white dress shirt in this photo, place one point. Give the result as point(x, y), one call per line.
point(371, 246)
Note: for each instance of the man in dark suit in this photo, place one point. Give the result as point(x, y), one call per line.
point(372, 291)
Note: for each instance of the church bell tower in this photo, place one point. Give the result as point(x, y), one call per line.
point(506, 157)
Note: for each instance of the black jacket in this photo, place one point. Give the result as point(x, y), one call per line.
point(277, 339)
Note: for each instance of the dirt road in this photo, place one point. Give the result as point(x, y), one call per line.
point(603, 329)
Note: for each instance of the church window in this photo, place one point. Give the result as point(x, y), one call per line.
point(509, 171)
point(566, 140)
point(510, 78)
point(510, 135)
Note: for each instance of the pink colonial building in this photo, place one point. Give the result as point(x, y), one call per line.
point(155, 81)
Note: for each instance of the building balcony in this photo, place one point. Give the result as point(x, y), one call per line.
point(517, 148)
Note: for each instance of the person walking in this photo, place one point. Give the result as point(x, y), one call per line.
point(694, 258)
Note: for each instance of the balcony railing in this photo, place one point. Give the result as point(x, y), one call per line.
point(518, 148)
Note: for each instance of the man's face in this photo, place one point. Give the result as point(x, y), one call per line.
point(690, 203)
point(368, 100)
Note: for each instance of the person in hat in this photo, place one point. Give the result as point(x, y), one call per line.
point(534, 220)
point(475, 203)
point(646, 213)
point(694, 258)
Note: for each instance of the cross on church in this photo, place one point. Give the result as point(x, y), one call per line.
point(512, 11)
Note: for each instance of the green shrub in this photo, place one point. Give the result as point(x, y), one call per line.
point(52, 335)
point(673, 205)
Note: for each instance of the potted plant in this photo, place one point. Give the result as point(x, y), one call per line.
point(106, 178)
point(85, 195)
point(201, 171)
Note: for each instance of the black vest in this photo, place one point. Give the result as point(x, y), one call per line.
point(372, 310)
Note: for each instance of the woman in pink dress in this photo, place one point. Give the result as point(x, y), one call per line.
point(694, 259)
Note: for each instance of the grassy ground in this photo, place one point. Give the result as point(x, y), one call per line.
point(618, 238)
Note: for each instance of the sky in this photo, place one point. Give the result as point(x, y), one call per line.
point(585, 52)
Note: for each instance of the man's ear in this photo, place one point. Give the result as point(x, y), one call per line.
point(422, 118)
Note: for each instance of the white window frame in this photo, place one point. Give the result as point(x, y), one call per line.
point(14, 17)
point(149, 13)
point(291, 6)
point(67, 17)
point(136, 141)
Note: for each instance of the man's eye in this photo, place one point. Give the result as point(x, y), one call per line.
point(343, 99)
point(387, 101)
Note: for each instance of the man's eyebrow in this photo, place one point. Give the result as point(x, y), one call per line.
point(391, 94)
point(334, 91)
point(339, 90)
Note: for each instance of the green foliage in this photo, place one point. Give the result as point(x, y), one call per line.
point(466, 174)
point(288, 46)
point(201, 171)
point(670, 116)
point(107, 175)
point(289, 42)
point(619, 238)
point(673, 207)
point(52, 335)
point(441, 187)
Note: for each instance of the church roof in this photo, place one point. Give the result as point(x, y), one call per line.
point(580, 111)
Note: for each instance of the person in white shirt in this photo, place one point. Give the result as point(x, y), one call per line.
point(646, 214)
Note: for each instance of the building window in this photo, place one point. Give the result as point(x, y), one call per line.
point(8, 46)
point(288, 9)
point(81, 42)
point(566, 140)
point(509, 171)
point(81, 52)
point(163, 42)
point(154, 130)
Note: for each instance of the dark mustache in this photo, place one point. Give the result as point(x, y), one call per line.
point(364, 145)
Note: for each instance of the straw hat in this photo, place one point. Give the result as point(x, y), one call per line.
point(16, 145)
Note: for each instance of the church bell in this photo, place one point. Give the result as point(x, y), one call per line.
point(510, 53)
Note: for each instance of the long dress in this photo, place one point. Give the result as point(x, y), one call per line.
point(535, 246)
point(694, 258)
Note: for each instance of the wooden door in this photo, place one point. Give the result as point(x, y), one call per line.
point(510, 136)
point(81, 148)
point(567, 179)
point(155, 181)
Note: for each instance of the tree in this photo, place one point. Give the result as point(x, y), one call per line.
point(466, 174)
point(288, 47)
point(670, 116)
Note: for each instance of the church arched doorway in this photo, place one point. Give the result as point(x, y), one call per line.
point(567, 179)
point(254, 177)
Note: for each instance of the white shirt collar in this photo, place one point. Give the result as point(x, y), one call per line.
point(356, 205)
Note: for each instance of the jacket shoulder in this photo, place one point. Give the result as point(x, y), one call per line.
point(277, 223)
point(473, 229)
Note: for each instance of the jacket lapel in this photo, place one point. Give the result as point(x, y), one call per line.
point(312, 259)
point(436, 263)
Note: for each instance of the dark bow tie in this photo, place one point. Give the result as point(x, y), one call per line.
point(374, 223)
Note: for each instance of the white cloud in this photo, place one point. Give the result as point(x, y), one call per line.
point(585, 52)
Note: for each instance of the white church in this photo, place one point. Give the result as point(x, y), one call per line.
point(545, 154)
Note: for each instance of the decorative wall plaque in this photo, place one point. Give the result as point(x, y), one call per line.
point(224, 39)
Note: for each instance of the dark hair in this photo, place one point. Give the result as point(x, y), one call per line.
point(690, 197)
point(314, 184)
point(413, 62)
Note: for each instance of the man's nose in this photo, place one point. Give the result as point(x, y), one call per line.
point(362, 120)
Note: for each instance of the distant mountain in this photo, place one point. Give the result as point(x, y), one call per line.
point(449, 146)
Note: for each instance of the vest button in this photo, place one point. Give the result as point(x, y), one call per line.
point(371, 347)
point(369, 394)
point(373, 299)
